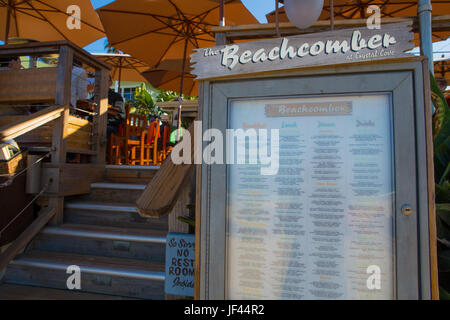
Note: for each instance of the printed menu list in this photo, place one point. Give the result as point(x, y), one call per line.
point(313, 230)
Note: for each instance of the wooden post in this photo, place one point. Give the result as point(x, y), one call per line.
point(100, 138)
point(60, 126)
point(187, 197)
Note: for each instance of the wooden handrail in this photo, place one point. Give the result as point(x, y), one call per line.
point(162, 193)
point(25, 237)
point(23, 126)
point(52, 47)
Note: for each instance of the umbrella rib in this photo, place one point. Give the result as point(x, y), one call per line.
point(135, 69)
point(179, 12)
point(199, 24)
point(140, 14)
point(48, 21)
point(141, 35)
point(165, 51)
point(152, 31)
point(167, 81)
point(401, 9)
point(21, 10)
point(16, 23)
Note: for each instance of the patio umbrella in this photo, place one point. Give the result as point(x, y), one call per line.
point(47, 20)
point(124, 67)
point(168, 74)
point(167, 29)
point(357, 9)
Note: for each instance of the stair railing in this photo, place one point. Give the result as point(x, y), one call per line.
point(13, 131)
point(52, 86)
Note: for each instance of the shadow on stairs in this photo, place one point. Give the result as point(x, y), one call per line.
point(120, 254)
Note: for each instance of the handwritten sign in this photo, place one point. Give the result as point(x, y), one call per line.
point(180, 262)
point(325, 48)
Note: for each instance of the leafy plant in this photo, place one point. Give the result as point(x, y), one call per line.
point(441, 134)
point(144, 102)
point(190, 220)
point(109, 48)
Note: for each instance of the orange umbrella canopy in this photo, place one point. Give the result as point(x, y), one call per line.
point(168, 76)
point(154, 30)
point(47, 20)
point(123, 66)
point(357, 9)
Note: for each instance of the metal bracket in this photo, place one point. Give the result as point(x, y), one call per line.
point(50, 176)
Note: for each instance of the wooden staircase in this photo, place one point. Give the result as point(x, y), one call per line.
point(120, 254)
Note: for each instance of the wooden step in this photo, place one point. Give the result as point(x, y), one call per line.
point(18, 292)
point(130, 174)
point(140, 244)
point(114, 192)
point(121, 215)
point(111, 276)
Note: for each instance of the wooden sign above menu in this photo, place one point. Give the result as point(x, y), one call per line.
point(326, 48)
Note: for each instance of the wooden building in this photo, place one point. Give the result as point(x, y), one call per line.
point(83, 211)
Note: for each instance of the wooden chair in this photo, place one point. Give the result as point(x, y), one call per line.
point(124, 149)
point(149, 150)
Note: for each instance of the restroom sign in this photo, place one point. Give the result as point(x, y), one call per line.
point(180, 264)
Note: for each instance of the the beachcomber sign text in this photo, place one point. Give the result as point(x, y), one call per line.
point(327, 48)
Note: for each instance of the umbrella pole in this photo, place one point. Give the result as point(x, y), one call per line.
point(180, 99)
point(8, 20)
point(426, 38)
point(222, 14)
point(120, 76)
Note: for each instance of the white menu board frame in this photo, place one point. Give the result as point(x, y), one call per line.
point(407, 83)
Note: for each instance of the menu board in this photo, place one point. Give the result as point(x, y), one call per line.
point(322, 227)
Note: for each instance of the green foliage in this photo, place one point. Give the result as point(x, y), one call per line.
point(187, 220)
point(444, 295)
point(441, 135)
point(109, 48)
point(441, 127)
point(443, 192)
point(144, 102)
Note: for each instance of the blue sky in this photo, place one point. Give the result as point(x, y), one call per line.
point(259, 8)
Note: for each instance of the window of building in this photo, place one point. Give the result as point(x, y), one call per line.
point(128, 93)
